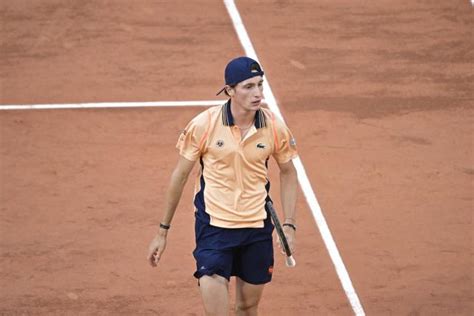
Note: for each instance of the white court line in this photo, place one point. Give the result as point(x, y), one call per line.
point(302, 177)
point(110, 105)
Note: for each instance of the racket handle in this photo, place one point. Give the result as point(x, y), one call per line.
point(290, 262)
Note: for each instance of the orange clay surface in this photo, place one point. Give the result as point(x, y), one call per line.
point(377, 93)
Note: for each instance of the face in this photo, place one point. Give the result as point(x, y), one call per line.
point(248, 94)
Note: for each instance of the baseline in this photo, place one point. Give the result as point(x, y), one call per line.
point(111, 105)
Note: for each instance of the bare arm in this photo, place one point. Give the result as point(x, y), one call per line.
point(288, 189)
point(175, 189)
point(179, 177)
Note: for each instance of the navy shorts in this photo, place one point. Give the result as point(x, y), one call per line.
point(243, 252)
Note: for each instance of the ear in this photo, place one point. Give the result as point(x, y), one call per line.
point(230, 90)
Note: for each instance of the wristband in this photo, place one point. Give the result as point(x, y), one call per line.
point(290, 225)
point(164, 226)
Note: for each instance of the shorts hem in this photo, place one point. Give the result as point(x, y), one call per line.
point(200, 274)
point(259, 282)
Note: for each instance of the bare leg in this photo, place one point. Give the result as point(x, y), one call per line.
point(215, 294)
point(247, 298)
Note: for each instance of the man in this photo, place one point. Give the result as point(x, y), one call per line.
point(233, 143)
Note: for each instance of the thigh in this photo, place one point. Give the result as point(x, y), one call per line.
point(215, 295)
point(247, 295)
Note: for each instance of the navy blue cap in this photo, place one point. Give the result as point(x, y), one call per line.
point(240, 69)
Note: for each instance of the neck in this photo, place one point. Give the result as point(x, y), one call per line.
point(242, 117)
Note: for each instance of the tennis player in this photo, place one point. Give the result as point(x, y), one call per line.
point(233, 144)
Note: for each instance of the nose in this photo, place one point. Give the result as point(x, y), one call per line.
point(259, 92)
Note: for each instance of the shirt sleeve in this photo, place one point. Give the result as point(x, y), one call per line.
point(191, 140)
point(285, 143)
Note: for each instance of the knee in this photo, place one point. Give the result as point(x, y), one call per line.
point(246, 305)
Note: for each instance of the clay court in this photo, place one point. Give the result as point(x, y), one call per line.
point(378, 95)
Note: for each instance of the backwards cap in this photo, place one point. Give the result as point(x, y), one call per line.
point(240, 69)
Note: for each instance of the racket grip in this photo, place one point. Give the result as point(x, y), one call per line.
point(290, 262)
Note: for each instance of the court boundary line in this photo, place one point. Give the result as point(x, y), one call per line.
point(302, 176)
point(110, 105)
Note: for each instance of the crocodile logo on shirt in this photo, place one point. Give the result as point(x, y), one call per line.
point(261, 146)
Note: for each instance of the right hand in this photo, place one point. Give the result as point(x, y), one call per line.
point(156, 248)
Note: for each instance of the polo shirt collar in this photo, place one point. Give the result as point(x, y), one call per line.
point(228, 119)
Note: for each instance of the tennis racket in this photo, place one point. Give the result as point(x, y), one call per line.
point(290, 261)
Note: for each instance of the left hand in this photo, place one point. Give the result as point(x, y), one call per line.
point(290, 237)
